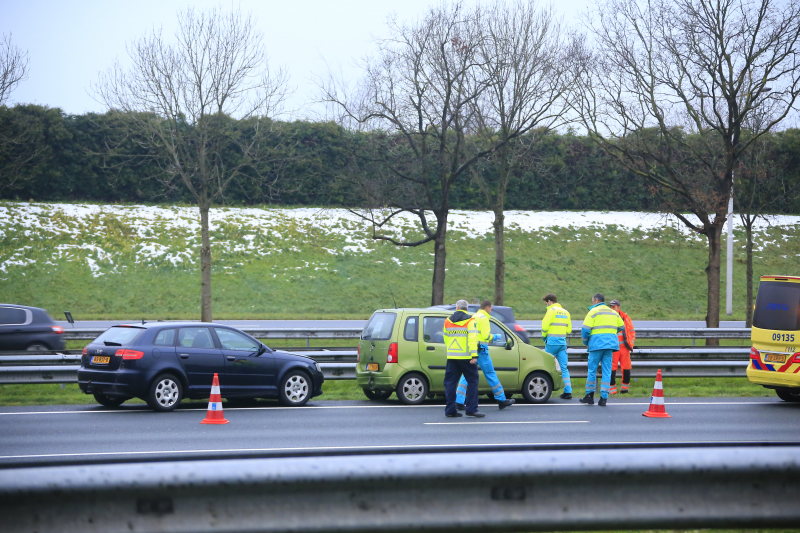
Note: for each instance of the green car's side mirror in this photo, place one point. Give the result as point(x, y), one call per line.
point(509, 344)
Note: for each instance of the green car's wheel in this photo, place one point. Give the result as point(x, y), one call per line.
point(377, 394)
point(412, 389)
point(537, 387)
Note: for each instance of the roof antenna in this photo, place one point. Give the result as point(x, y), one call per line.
point(143, 321)
point(390, 292)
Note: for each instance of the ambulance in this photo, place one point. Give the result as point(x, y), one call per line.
point(775, 355)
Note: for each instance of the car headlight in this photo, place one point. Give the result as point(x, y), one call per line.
point(319, 368)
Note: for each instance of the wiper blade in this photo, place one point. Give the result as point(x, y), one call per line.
point(110, 343)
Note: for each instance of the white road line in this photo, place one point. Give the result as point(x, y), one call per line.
point(484, 422)
point(318, 407)
point(339, 448)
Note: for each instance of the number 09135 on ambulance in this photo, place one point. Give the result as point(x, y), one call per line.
point(775, 355)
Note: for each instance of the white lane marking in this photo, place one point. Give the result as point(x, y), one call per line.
point(510, 422)
point(318, 407)
point(380, 447)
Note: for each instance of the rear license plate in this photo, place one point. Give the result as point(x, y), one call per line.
point(372, 367)
point(100, 360)
point(775, 358)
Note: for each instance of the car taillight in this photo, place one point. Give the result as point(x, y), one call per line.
point(391, 356)
point(358, 354)
point(517, 327)
point(85, 350)
point(754, 353)
point(57, 329)
point(796, 358)
point(129, 354)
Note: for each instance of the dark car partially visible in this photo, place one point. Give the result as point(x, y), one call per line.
point(162, 363)
point(500, 312)
point(28, 328)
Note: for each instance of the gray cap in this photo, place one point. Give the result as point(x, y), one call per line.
point(614, 302)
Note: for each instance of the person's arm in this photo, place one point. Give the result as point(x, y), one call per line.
point(472, 341)
point(485, 330)
point(548, 318)
point(630, 334)
point(586, 330)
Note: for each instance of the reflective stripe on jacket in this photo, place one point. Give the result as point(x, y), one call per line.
point(556, 325)
point(483, 326)
point(461, 336)
point(600, 328)
point(627, 337)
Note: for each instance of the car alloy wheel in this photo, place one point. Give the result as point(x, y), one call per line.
point(412, 389)
point(38, 348)
point(165, 393)
point(537, 388)
point(295, 389)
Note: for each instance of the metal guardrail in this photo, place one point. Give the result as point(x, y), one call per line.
point(682, 488)
point(355, 333)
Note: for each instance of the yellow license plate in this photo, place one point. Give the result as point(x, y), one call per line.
point(775, 358)
point(372, 367)
point(100, 360)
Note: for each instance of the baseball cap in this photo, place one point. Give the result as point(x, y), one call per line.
point(613, 302)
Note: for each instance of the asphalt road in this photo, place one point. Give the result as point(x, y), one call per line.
point(361, 323)
point(68, 434)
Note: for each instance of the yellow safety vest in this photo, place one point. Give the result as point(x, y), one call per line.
point(484, 327)
point(461, 339)
point(556, 322)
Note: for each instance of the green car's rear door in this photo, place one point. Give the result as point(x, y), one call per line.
point(375, 340)
point(506, 362)
point(432, 352)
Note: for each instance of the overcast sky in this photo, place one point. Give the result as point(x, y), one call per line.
point(69, 42)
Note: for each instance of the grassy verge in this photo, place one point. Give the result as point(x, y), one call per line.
point(54, 394)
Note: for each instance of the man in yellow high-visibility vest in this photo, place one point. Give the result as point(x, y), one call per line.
point(599, 333)
point(556, 325)
point(461, 342)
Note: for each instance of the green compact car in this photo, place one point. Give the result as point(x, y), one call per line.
point(403, 351)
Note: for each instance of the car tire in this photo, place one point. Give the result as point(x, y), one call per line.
point(109, 401)
point(412, 389)
point(295, 389)
point(165, 393)
point(38, 347)
point(377, 394)
point(788, 395)
point(537, 387)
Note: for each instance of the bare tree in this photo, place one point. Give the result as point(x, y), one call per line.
point(671, 87)
point(13, 67)
point(203, 105)
point(530, 57)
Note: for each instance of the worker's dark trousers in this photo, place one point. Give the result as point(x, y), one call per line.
point(455, 369)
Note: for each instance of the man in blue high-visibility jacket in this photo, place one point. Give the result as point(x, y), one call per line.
point(484, 327)
point(599, 333)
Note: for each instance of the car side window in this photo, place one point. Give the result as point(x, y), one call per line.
point(165, 337)
point(433, 329)
point(195, 338)
point(232, 340)
point(411, 331)
point(497, 330)
point(12, 316)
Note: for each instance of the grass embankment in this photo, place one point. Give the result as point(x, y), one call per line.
point(128, 263)
point(53, 394)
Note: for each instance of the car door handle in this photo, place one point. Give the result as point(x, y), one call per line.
point(184, 356)
point(431, 348)
point(231, 358)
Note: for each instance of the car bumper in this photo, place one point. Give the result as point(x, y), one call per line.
point(773, 378)
point(112, 383)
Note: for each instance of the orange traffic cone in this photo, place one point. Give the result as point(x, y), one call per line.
point(214, 415)
point(657, 400)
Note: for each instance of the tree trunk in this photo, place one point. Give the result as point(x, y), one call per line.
point(439, 260)
point(205, 264)
point(713, 276)
point(749, 275)
point(499, 254)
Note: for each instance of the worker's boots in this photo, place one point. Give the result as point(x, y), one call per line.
point(566, 396)
point(505, 403)
point(588, 399)
point(602, 402)
point(460, 406)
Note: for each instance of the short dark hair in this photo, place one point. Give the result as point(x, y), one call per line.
point(550, 298)
point(599, 297)
point(485, 304)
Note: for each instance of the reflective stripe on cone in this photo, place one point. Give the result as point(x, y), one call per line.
point(214, 414)
point(657, 409)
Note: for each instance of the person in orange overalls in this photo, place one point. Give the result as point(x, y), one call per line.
point(623, 357)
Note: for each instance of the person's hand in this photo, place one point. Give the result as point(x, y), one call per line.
point(473, 361)
point(497, 337)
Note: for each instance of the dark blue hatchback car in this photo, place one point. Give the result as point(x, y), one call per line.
point(162, 363)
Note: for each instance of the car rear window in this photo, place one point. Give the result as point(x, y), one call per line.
point(379, 327)
point(118, 336)
point(777, 306)
point(13, 316)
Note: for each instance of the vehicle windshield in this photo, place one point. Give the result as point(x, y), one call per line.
point(777, 306)
point(379, 327)
point(118, 336)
